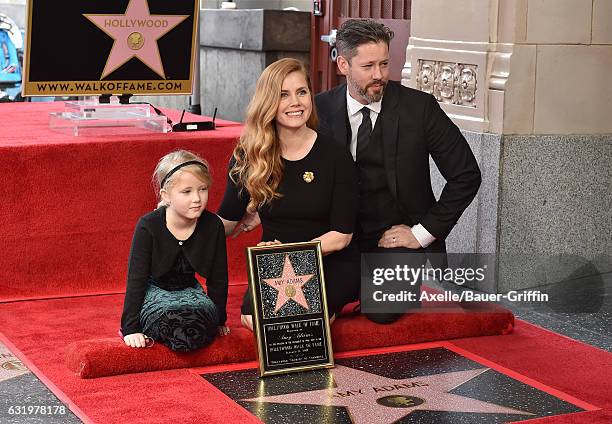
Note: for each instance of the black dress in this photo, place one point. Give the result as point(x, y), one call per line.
point(308, 210)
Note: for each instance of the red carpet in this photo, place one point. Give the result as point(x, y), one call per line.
point(101, 353)
point(70, 203)
point(178, 395)
point(68, 211)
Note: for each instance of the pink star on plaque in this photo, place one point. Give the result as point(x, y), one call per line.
point(370, 398)
point(289, 286)
point(135, 33)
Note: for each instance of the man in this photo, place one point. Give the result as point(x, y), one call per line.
point(391, 131)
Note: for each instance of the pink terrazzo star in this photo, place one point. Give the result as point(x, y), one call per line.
point(135, 33)
point(10, 366)
point(370, 398)
point(289, 286)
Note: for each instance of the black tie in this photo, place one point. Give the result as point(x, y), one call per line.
point(364, 131)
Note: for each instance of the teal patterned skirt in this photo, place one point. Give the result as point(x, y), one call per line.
point(183, 319)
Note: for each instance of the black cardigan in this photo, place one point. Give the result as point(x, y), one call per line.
point(154, 252)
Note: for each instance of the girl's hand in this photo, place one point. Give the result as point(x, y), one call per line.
point(269, 243)
point(223, 330)
point(135, 340)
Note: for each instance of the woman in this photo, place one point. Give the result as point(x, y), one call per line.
point(303, 186)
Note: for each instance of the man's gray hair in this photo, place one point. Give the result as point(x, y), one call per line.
point(356, 32)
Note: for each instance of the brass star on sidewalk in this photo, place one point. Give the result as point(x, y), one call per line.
point(135, 33)
point(370, 398)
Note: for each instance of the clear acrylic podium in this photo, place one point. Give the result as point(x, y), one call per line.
point(89, 117)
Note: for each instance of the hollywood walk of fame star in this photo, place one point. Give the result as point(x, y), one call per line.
point(289, 286)
point(10, 366)
point(135, 33)
point(370, 398)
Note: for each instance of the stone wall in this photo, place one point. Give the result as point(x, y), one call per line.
point(526, 81)
point(235, 47)
point(532, 66)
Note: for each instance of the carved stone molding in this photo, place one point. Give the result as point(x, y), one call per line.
point(451, 83)
point(500, 70)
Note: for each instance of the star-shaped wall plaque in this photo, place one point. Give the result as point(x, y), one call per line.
point(135, 34)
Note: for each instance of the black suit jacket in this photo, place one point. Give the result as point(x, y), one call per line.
point(414, 127)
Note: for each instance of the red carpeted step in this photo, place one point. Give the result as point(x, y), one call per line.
point(68, 226)
point(106, 357)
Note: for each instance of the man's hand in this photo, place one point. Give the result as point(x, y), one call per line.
point(249, 222)
point(399, 236)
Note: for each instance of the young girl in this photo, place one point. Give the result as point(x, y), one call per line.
point(163, 299)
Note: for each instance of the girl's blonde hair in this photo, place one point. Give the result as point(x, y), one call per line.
point(258, 167)
point(170, 161)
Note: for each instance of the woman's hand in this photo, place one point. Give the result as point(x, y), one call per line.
point(333, 241)
point(135, 340)
point(249, 222)
point(223, 330)
point(269, 243)
point(228, 226)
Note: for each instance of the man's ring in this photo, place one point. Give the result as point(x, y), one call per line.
point(393, 239)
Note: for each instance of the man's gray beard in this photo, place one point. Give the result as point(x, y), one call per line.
point(364, 93)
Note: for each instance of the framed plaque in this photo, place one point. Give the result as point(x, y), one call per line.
point(290, 316)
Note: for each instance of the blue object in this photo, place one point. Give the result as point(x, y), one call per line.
point(10, 70)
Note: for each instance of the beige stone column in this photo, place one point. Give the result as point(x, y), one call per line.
point(515, 66)
point(528, 82)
